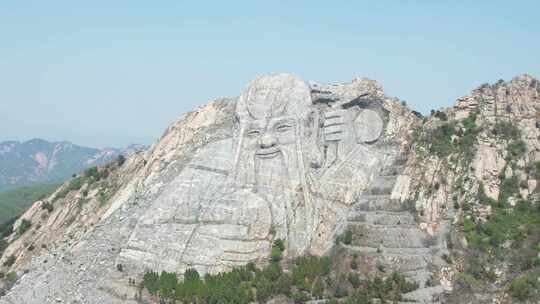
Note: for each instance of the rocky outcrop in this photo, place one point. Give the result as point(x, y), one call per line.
point(291, 160)
point(468, 160)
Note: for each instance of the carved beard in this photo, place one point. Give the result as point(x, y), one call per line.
point(275, 180)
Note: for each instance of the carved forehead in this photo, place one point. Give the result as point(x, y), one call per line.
point(274, 95)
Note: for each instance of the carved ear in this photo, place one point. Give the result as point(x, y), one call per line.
point(368, 126)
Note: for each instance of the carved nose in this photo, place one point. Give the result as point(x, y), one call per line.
point(267, 141)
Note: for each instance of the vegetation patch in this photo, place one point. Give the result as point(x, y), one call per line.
point(14, 202)
point(503, 225)
point(309, 278)
point(524, 287)
point(23, 227)
point(450, 137)
point(345, 238)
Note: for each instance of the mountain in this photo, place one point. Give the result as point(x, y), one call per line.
point(298, 191)
point(13, 202)
point(38, 161)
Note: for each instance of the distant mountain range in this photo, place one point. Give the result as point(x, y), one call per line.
point(38, 161)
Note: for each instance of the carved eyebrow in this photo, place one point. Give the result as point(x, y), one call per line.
point(283, 125)
point(283, 128)
point(253, 131)
point(289, 122)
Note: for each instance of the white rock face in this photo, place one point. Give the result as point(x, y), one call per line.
point(488, 164)
point(286, 159)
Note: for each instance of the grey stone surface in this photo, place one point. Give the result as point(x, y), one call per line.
point(286, 159)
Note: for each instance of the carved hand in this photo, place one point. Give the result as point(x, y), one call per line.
point(334, 125)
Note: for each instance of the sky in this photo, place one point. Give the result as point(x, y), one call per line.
point(109, 73)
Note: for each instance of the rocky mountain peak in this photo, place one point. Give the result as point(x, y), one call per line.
point(341, 170)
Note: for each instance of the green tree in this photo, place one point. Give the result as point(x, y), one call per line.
point(151, 282)
point(318, 289)
point(10, 261)
point(347, 237)
point(120, 160)
point(522, 287)
point(276, 253)
point(167, 284)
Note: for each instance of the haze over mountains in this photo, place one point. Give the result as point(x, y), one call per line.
point(38, 161)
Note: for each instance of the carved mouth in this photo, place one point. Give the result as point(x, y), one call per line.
point(267, 153)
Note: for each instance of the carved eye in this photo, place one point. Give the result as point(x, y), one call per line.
point(283, 128)
point(253, 133)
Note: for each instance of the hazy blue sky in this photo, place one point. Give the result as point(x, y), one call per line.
point(107, 73)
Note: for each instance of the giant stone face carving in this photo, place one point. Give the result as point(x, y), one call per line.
point(291, 170)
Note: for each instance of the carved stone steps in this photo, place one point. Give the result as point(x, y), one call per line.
point(401, 263)
point(384, 226)
point(424, 295)
point(383, 185)
point(391, 171)
point(378, 203)
point(382, 218)
point(420, 276)
point(401, 160)
point(420, 251)
point(388, 236)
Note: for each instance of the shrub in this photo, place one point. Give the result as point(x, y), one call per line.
point(120, 160)
point(483, 198)
point(11, 276)
point(354, 280)
point(441, 115)
point(347, 239)
point(74, 184)
point(447, 258)
point(318, 289)
point(3, 245)
point(7, 228)
point(517, 148)
point(522, 287)
point(403, 285)
point(276, 253)
point(441, 140)
point(300, 297)
point(23, 227)
point(279, 244)
point(464, 280)
point(92, 172)
point(537, 170)
point(509, 187)
point(47, 206)
point(506, 130)
point(10, 261)
point(354, 264)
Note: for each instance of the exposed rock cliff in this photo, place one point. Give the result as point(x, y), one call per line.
point(302, 162)
point(472, 177)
